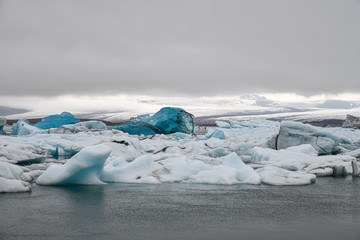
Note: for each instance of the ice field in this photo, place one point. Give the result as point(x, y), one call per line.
point(236, 152)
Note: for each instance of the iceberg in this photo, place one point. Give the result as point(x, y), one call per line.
point(138, 171)
point(323, 140)
point(219, 134)
point(83, 168)
point(12, 185)
point(13, 178)
point(167, 120)
point(57, 120)
point(233, 171)
point(137, 128)
point(23, 128)
point(278, 176)
point(171, 120)
point(20, 153)
point(351, 122)
point(2, 124)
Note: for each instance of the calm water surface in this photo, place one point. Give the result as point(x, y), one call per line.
point(329, 209)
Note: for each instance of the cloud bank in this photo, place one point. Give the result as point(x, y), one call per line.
point(175, 48)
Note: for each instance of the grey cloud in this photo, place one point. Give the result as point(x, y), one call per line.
point(179, 47)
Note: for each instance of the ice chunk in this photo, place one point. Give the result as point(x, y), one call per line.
point(278, 176)
point(12, 185)
point(57, 120)
point(23, 128)
point(323, 140)
point(219, 134)
point(90, 125)
point(15, 153)
point(13, 178)
point(171, 120)
point(233, 171)
point(305, 148)
point(138, 171)
point(137, 128)
point(167, 120)
point(290, 160)
point(355, 167)
point(2, 124)
point(11, 171)
point(83, 168)
point(223, 124)
point(179, 169)
point(352, 122)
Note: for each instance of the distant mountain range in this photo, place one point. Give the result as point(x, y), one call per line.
point(4, 111)
point(208, 110)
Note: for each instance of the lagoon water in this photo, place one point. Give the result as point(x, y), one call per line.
point(329, 209)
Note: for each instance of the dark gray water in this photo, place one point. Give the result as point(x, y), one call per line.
point(329, 209)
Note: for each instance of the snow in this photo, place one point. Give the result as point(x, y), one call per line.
point(83, 168)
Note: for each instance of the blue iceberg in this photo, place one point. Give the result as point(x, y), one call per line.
point(57, 120)
point(166, 121)
point(137, 128)
point(171, 120)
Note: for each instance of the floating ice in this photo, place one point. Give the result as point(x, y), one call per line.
point(84, 168)
point(219, 134)
point(233, 171)
point(19, 153)
point(13, 178)
point(171, 120)
point(278, 176)
point(2, 124)
point(323, 140)
point(223, 124)
point(138, 171)
point(352, 122)
point(137, 128)
point(57, 120)
point(167, 120)
point(23, 128)
point(12, 185)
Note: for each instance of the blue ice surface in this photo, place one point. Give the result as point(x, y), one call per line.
point(217, 134)
point(2, 124)
point(137, 128)
point(166, 121)
point(57, 120)
point(171, 120)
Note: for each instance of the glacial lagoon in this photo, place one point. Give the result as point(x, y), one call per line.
point(329, 209)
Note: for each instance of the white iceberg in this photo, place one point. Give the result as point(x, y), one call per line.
point(233, 171)
point(13, 178)
point(83, 168)
point(278, 176)
point(325, 141)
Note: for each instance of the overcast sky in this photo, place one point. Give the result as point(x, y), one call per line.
point(176, 48)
